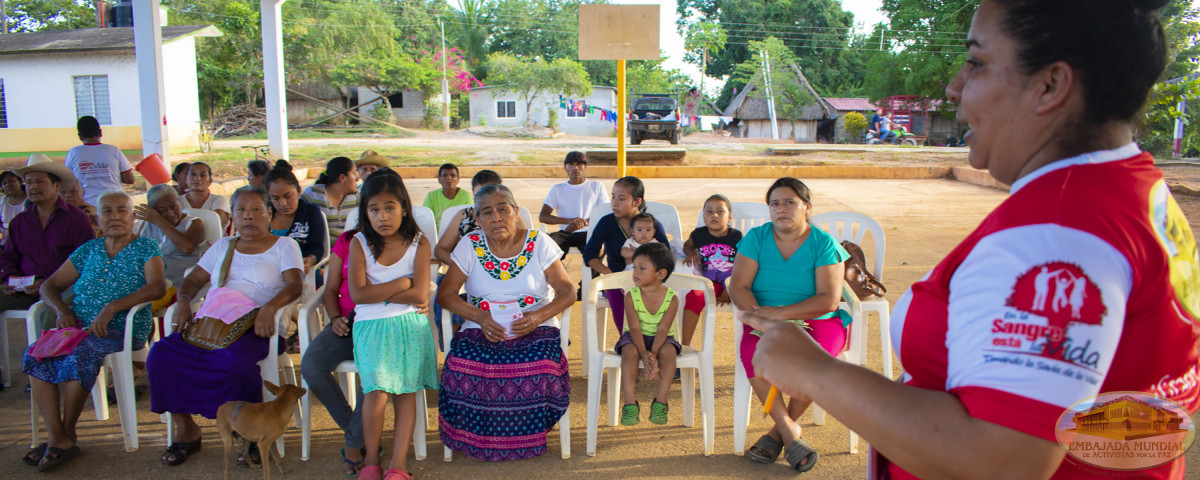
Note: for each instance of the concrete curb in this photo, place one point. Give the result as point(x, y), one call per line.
point(977, 177)
point(703, 171)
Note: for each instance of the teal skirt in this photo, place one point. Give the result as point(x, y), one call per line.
point(396, 355)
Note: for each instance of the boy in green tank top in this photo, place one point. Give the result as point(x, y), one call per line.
point(650, 339)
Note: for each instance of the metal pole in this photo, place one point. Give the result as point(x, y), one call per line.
point(3, 17)
point(770, 97)
point(99, 4)
point(621, 121)
point(445, 84)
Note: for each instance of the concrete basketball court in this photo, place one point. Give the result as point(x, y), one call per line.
point(922, 220)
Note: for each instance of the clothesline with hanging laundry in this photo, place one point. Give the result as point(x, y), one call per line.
point(581, 106)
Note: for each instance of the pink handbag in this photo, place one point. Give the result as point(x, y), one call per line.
point(57, 342)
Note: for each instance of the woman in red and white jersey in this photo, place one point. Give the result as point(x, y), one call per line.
point(1083, 282)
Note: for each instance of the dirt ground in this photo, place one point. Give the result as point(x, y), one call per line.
point(922, 219)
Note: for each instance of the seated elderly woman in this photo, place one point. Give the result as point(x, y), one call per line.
point(787, 270)
point(110, 275)
point(504, 263)
point(180, 236)
point(253, 281)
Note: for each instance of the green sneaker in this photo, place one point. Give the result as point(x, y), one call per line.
point(658, 413)
point(630, 414)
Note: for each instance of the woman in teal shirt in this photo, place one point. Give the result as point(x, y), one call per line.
point(787, 270)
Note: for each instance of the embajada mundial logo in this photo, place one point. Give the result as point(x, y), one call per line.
point(1125, 431)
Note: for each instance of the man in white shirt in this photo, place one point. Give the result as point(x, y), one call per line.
point(570, 203)
point(98, 167)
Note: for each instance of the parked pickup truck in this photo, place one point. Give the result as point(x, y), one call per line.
point(654, 116)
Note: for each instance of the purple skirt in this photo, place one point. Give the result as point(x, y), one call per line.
point(185, 378)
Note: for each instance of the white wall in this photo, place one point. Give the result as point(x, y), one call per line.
point(183, 93)
point(39, 91)
point(409, 116)
point(483, 105)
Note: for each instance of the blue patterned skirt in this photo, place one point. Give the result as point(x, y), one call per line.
point(82, 364)
point(498, 400)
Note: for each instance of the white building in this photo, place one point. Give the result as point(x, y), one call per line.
point(593, 115)
point(408, 106)
point(49, 79)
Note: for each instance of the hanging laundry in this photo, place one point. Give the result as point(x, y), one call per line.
point(591, 110)
point(562, 103)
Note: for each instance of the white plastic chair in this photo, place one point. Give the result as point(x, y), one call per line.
point(310, 278)
point(606, 360)
point(564, 423)
point(268, 366)
point(852, 353)
point(352, 219)
point(425, 221)
point(853, 226)
point(668, 216)
point(449, 214)
point(4, 318)
point(313, 318)
point(121, 364)
point(212, 223)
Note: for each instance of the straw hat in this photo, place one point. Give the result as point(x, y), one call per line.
point(39, 162)
point(370, 157)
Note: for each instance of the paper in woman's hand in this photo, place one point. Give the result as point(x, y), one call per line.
point(505, 313)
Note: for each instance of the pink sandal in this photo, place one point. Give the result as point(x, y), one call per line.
point(395, 474)
point(371, 472)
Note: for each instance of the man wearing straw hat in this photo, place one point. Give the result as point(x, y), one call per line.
point(369, 162)
point(42, 236)
point(98, 167)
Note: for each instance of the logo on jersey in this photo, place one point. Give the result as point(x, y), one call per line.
point(1177, 240)
point(1059, 291)
point(1125, 431)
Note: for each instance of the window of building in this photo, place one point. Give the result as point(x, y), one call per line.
point(3, 109)
point(579, 111)
point(506, 109)
point(91, 98)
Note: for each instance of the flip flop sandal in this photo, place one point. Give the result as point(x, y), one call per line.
point(181, 450)
point(765, 450)
point(35, 455)
point(396, 474)
point(353, 464)
point(371, 472)
point(799, 450)
point(56, 456)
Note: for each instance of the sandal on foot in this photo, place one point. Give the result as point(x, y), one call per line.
point(765, 450)
point(55, 456)
point(371, 472)
point(797, 452)
point(396, 474)
point(630, 414)
point(658, 413)
point(352, 465)
point(34, 456)
point(180, 451)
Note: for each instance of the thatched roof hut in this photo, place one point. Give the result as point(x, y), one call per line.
point(747, 107)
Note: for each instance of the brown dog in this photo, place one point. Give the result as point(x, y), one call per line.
point(261, 423)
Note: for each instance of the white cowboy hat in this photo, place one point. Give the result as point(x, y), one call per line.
point(39, 162)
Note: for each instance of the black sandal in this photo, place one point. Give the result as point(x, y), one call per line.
point(34, 456)
point(55, 456)
point(765, 450)
point(180, 451)
point(797, 452)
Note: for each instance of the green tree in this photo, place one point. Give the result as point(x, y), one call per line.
point(530, 78)
point(818, 32)
point(706, 38)
point(922, 50)
point(469, 28)
point(229, 67)
point(386, 76)
point(1181, 23)
point(36, 15)
point(649, 76)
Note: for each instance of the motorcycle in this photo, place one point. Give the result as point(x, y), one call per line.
point(899, 136)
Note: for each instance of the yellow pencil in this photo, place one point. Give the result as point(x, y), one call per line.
point(770, 402)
